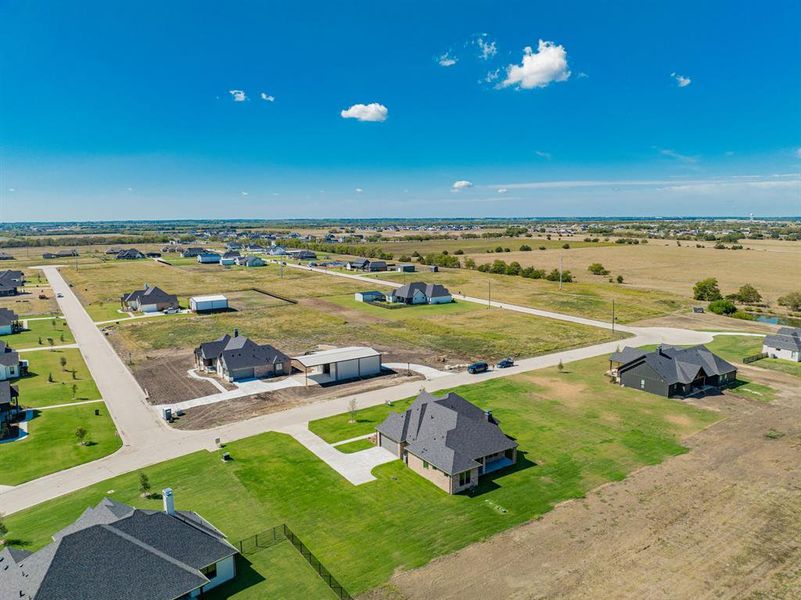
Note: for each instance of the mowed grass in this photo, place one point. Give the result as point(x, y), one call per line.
point(575, 431)
point(41, 330)
point(51, 444)
point(355, 446)
point(586, 299)
point(35, 390)
point(736, 347)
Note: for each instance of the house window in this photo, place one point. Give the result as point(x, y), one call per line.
point(642, 384)
point(210, 572)
point(464, 478)
point(425, 465)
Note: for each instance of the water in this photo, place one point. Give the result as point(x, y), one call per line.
point(777, 320)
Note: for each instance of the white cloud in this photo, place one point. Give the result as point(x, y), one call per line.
point(540, 68)
point(366, 112)
point(492, 76)
point(681, 80)
point(358, 190)
point(676, 155)
point(266, 97)
point(243, 193)
point(446, 60)
point(460, 185)
point(238, 95)
point(541, 154)
point(502, 190)
point(487, 47)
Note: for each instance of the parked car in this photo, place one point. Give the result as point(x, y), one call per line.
point(59, 295)
point(478, 367)
point(505, 363)
point(171, 311)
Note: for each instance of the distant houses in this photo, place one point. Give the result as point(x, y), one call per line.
point(116, 551)
point(420, 293)
point(250, 261)
point(365, 264)
point(192, 252)
point(5, 256)
point(130, 254)
point(405, 268)
point(672, 371)
point(448, 440)
point(237, 357)
point(9, 322)
point(11, 367)
point(60, 254)
point(784, 344)
point(149, 299)
point(10, 282)
point(301, 254)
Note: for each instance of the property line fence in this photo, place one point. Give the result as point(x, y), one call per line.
point(754, 358)
point(274, 295)
point(278, 534)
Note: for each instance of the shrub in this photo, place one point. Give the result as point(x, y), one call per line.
point(620, 278)
point(791, 301)
point(566, 246)
point(532, 273)
point(542, 247)
point(597, 269)
point(707, 289)
point(469, 263)
point(554, 276)
point(513, 268)
point(525, 248)
point(459, 252)
point(498, 248)
point(748, 294)
point(722, 307)
point(498, 266)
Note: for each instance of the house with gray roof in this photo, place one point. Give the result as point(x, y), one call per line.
point(11, 367)
point(129, 254)
point(237, 357)
point(448, 440)
point(10, 282)
point(420, 293)
point(9, 322)
point(9, 407)
point(784, 344)
point(672, 371)
point(117, 552)
point(149, 299)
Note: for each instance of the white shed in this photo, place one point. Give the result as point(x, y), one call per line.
point(339, 364)
point(208, 303)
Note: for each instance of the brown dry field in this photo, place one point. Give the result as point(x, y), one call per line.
point(773, 267)
point(721, 521)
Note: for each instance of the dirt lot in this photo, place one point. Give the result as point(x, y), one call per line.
point(240, 409)
point(166, 381)
point(708, 321)
point(719, 522)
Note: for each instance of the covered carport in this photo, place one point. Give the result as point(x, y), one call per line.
point(339, 364)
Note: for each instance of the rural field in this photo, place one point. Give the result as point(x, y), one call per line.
point(575, 430)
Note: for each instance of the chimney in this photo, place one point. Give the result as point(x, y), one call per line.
point(236, 332)
point(169, 501)
point(488, 414)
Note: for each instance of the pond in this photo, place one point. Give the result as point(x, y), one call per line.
point(778, 320)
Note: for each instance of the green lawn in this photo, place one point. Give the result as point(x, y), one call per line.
point(105, 311)
point(35, 390)
point(736, 347)
point(576, 431)
point(51, 444)
point(55, 329)
point(356, 446)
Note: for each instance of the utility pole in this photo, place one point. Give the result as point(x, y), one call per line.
point(489, 293)
point(613, 315)
point(560, 273)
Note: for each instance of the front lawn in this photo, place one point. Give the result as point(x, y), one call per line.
point(39, 334)
point(36, 390)
point(575, 430)
point(51, 444)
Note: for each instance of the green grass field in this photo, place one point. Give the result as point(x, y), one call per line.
point(575, 431)
point(355, 446)
point(736, 347)
point(35, 390)
point(55, 329)
point(52, 445)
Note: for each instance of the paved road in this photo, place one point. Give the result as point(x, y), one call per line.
point(148, 440)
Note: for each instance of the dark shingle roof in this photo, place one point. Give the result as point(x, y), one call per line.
point(626, 355)
point(115, 552)
point(681, 365)
point(150, 295)
point(7, 393)
point(448, 432)
point(787, 338)
point(8, 316)
point(8, 356)
point(240, 352)
point(430, 290)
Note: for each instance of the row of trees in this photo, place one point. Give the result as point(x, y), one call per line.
point(708, 289)
point(500, 267)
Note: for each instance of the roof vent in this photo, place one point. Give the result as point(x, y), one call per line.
point(236, 333)
point(169, 501)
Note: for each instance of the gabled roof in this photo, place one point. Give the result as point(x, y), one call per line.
point(359, 262)
point(8, 356)
point(787, 338)
point(240, 352)
point(8, 317)
point(150, 294)
point(11, 278)
point(430, 290)
point(448, 432)
point(681, 365)
point(130, 253)
point(7, 393)
point(116, 552)
point(626, 355)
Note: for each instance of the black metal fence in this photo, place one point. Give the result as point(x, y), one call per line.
point(754, 358)
point(273, 536)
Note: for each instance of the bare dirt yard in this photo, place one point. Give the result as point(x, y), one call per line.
point(165, 378)
point(240, 409)
point(721, 521)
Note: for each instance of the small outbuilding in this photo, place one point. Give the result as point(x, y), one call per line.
point(208, 303)
point(371, 296)
point(405, 268)
point(784, 344)
point(208, 258)
point(339, 364)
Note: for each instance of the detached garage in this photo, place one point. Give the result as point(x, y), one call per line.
point(340, 364)
point(208, 303)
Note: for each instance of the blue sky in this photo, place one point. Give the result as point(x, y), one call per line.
point(154, 109)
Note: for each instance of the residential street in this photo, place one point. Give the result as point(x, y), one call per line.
point(148, 440)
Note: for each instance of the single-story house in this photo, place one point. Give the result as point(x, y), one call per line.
point(233, 246)
point(448, 440)
point(405, 268)
point(11, 367)
point(208, 258)
point(339, 364)
point(116, 551)
point(10, 282)
point(238, 357)
point(193, 252)
point(277, 251)
point(130, 254)
point(231, 254)
point(208, 303)
point(9, 322)
point(365, 264)
point(255, 248)
point(250, 261)
point(60, 254)
point(153, 254)
point(9, 407)
point(301, 254)
point(420, 293)
point(149, 299)
point(113, 251)
point(784, 344)
point(371, 296)
point(5, 256)
point(672, 371)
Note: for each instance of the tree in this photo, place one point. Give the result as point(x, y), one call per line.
point(50, 378)
point(50, 341)
point(74, 390)
point(352, 410)
point(469, 263)
point(513, 268)
point(566, 246)
point(498, 266)
point(620, 278)
point(144, 485)
point(61, 337)
point(707, 289)
point(722, 307)
point(63, 362)
point(525, 248)
point(597, 269)
point(40, 340)
point(791, 301)
point(81, 434)
point(560, 366)
point(748, 294)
